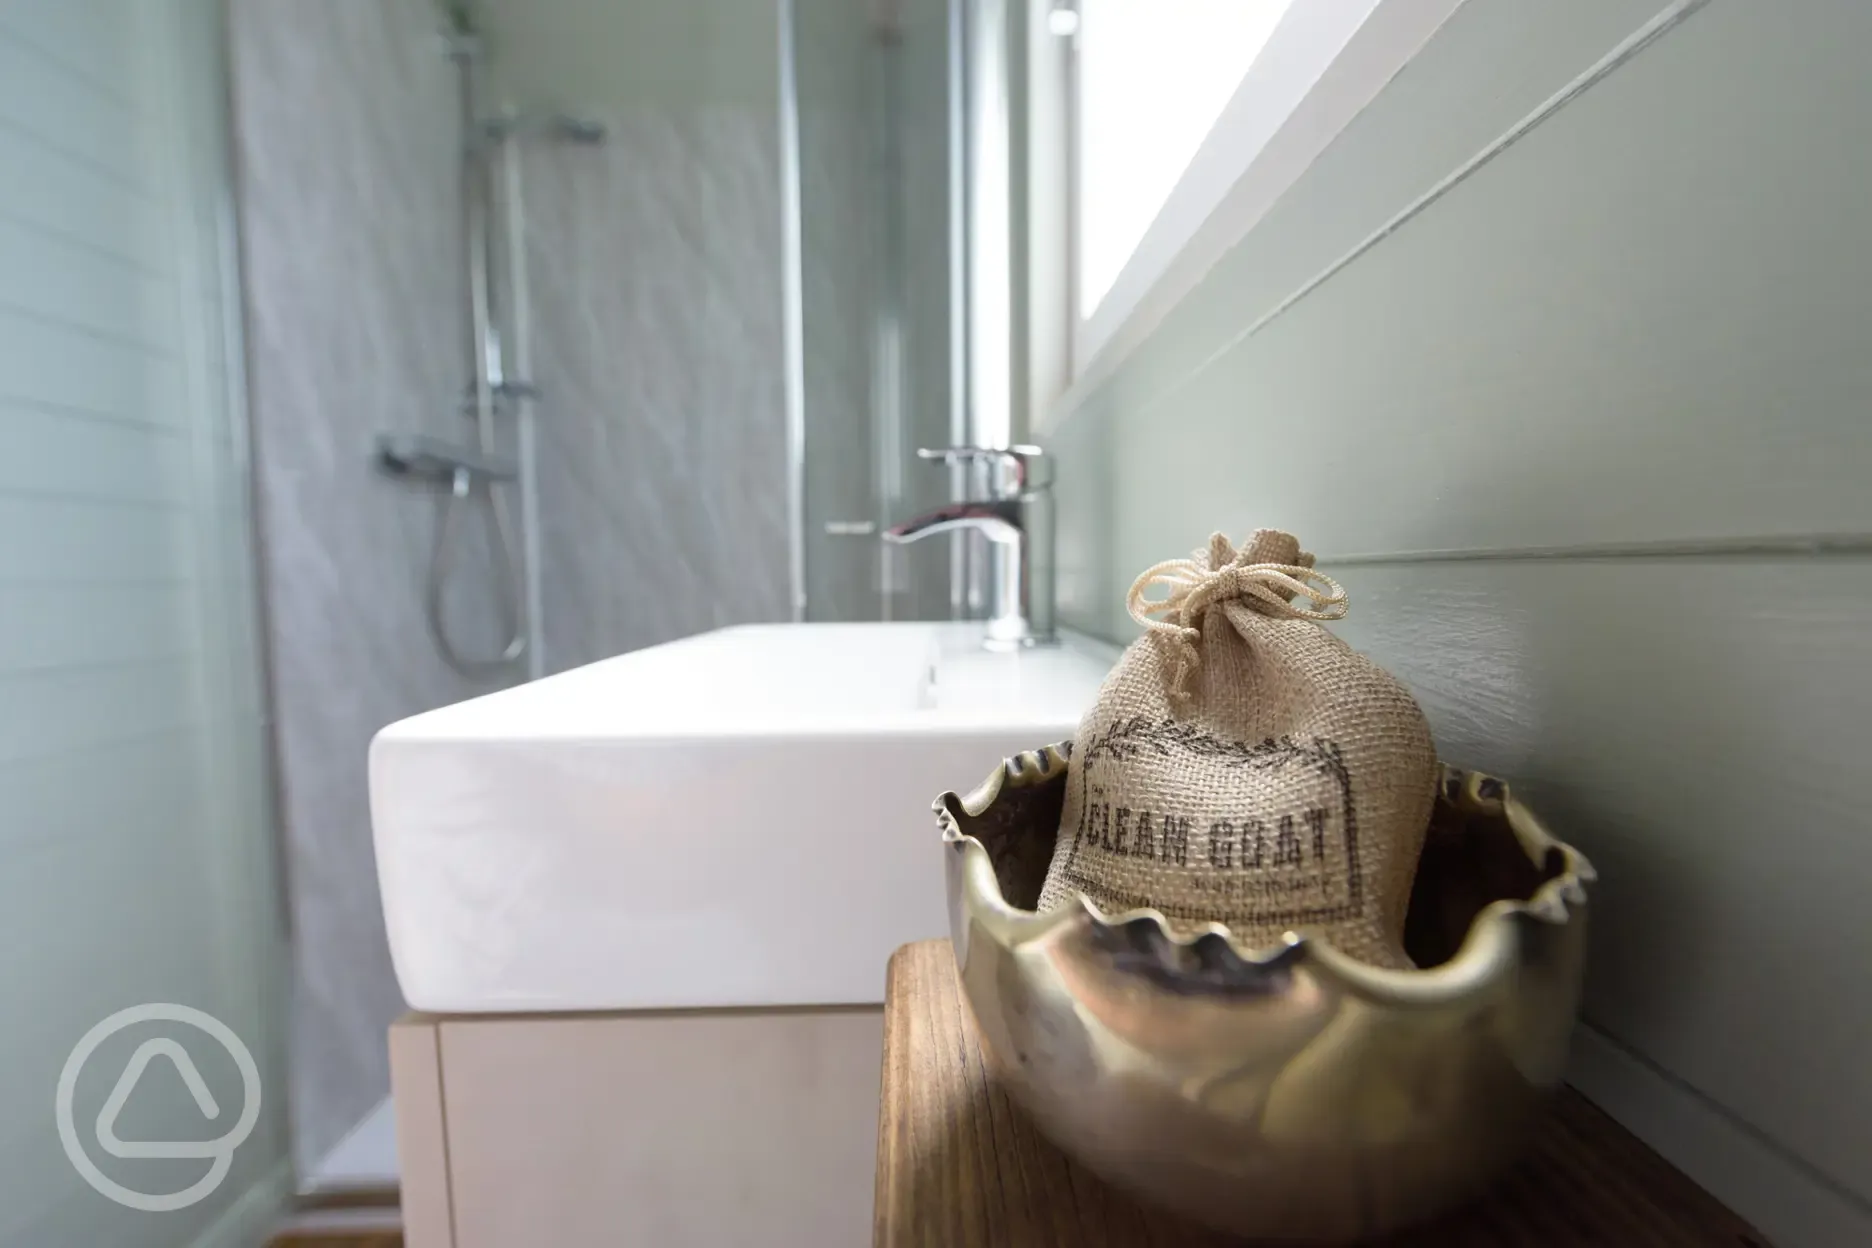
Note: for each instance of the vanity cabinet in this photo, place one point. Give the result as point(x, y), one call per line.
point(673, 1128)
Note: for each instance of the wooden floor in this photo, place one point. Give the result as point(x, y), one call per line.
point(354, 1220)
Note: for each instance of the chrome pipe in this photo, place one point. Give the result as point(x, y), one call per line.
point(793, 311)
point(964, 587)
point(522, 398)
point(989, 197)
point(485, 380)
point(986, 283)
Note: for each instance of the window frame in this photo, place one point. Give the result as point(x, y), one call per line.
point(1324, 62)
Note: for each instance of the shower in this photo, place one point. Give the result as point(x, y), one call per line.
point(482, 475)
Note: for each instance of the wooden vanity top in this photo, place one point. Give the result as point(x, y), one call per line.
point(960, 1166)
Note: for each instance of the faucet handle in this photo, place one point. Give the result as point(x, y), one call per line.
point(1014, 468)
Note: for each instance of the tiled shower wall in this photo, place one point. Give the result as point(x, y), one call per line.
point(348, 136)
point(655, 274)
point(655, 277)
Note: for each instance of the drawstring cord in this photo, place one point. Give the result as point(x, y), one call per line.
point(1191, 589)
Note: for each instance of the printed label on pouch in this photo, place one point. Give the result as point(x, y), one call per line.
point(1286, 854)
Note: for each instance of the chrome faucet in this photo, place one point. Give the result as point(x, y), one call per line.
point(1017, 520)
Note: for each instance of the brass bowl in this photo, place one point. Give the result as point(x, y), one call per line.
point(1285, 1093)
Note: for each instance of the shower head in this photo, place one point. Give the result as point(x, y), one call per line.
point(562, 127)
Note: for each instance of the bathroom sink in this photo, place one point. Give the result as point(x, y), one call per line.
point(739, 818)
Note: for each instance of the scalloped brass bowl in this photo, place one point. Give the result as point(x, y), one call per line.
point(1286, 1093)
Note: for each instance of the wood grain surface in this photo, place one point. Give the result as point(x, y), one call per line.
point(960, 1166)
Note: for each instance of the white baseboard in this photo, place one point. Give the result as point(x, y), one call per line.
point(249, 1221)
point(1787, 1202)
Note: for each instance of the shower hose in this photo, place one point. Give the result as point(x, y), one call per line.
point(506, 569)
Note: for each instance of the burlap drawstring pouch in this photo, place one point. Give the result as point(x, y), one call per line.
point(1244, 766)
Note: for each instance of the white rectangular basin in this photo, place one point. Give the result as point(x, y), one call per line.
point(740, 818)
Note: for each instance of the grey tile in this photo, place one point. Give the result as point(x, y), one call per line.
point(654, 266)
